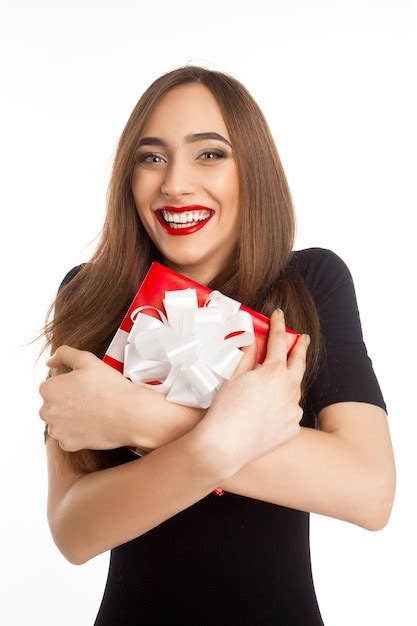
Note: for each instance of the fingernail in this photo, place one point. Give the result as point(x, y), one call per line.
point(307, 339)
point(280, 311)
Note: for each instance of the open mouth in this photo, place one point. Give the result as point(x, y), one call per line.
point(188, 225)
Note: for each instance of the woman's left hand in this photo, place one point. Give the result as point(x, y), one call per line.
point(83, 408)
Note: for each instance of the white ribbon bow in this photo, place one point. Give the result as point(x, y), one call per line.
point(189, 347)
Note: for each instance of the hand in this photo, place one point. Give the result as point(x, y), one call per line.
point(257, 409)
point(83, 407)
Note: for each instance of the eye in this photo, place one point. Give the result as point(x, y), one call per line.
point(218, 154)
point(143, 158)
point(149, 156)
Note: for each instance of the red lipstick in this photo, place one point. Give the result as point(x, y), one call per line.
point(184, 230)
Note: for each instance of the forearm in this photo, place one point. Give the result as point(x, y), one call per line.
point(317, 472)
point(110, 507)
point(162, 422)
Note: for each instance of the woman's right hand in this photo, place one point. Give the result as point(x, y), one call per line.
point(257, 409)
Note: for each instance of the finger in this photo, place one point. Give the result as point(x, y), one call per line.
point(52, 372)
point(64, 445)
point(297, 359)
point(248, 360)
point(277, 345)
point(66, 355)
point(41, 411)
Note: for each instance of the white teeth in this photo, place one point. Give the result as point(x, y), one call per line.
point(187, 217)
point(187, 225)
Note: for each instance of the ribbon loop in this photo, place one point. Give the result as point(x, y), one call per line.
point(189, 348)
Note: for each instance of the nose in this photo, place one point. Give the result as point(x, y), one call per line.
point(177, 181)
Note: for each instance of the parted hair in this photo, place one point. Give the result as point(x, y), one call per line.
point(88, 309)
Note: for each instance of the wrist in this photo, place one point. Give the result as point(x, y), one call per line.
point(139, 422)
point(180, 420)
point(152, 421)
point(210, 445)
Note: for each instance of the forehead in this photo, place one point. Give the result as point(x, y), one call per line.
point(186, 109)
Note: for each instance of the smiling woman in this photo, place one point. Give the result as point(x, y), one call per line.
point(182, 171)
point(197, 184)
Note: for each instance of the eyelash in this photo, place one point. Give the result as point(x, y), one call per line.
point(218, 153)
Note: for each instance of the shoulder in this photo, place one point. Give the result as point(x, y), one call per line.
point(323, 270)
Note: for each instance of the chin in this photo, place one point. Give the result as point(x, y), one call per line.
point(187, 260)
point(185, 254)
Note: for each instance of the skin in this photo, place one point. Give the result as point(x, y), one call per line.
point(95, 407)
point(83, 407)
point(256, 411)
point(181, 174)
point(80, 406)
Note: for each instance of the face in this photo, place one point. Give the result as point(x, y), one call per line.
point(176, 168)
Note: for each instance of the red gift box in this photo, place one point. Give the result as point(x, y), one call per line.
point(151, 292)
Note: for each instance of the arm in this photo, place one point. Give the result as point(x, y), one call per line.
point(345, 483)
point(162, 422)
point(110, 507)
point(318, 472)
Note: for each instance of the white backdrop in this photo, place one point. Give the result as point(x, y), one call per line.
point(332, 78)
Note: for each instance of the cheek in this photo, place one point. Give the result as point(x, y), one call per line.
point(226, 182)
point(142, 187)
point(142, 216)
point(231, 209)
point(226, 189)
point(141, 198)
point(149, 228)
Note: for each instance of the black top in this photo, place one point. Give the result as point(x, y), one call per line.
point(233, 560)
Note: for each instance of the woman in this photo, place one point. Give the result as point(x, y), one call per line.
point(289, 437)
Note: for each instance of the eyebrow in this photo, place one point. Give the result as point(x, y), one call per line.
point(191, 138)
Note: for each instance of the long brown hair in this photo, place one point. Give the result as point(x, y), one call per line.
point(90, 307)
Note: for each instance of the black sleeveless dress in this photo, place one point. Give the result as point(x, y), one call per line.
point(233, 560)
